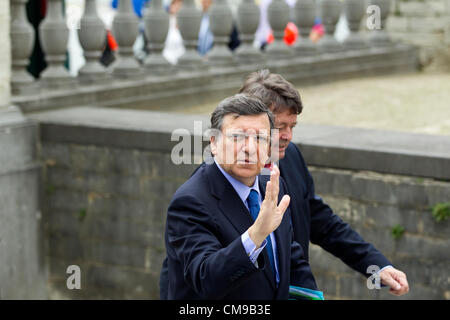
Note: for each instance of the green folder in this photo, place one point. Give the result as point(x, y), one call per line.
point(299, 293)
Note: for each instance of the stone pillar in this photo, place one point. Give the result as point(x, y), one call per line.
point(22, 41)
point(278, 16)
point(221, 26)
point(305, 15)
point(92, 35)
point(330, 12)
point(125, 28)
point(156, 29)
point(189, 20)
point(23, 273)
point(247, 23)
point(54, 35)
point(379, 37)
point(5, 57)
point(354, 12)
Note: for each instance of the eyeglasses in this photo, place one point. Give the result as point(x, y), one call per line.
point(239, 137)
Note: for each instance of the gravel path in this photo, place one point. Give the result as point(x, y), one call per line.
point(417, 102)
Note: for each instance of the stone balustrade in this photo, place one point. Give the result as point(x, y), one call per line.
point(54, 35)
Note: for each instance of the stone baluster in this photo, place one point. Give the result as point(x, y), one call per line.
point(278, 16)
point(305, 15)
point(354, 12)
point(247, 23)
point(379, 37)
point(156, 29)
point(125, 28)
point(330, 13)
point(221, 26)
point(92, 35)
point(54, 35)
point(189, 20)
point(22, 40)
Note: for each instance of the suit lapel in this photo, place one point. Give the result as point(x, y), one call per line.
point(229, 202)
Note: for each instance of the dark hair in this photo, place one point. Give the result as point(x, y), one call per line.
point(276, 92)
point(240, 104)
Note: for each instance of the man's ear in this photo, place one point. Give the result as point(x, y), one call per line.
point(213, 144)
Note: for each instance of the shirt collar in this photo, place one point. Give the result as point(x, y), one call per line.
point(242, 190)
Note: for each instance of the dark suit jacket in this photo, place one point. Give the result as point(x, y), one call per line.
point(206, 258)
point(312, 219)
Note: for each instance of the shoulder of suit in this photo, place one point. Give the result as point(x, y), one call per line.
point(293, 153)
point(293, 149)
point(195, 184)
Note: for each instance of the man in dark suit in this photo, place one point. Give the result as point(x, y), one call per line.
point(312, 219)
point(228, 230)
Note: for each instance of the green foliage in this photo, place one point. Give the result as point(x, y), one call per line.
point(420, 180)
point(441, 211)
point(50, 189)
point(397, 231)
point(82, 214)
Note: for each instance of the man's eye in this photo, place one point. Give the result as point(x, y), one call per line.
point(262, 139)
point(237, 136)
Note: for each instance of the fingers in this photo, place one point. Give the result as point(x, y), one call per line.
point(388, 280)
point(392, 283)
point(268, 196)
point(400, 277)
point(284, 204)
point(271, 214)
point(275, 182)
point(272, 186)
point(404, 283)
point(396, 280)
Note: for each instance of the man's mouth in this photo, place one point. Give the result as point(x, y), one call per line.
point(246, 161)
point(283, 145)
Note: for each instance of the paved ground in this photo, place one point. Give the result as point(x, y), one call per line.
point(412, 102)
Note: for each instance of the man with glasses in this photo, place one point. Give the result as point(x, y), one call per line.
point(228, 230)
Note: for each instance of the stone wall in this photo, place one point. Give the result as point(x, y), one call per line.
point(375, 205)
point(425, 23)
point(5, 54)
point(109, 178)
point(105, 200)
point(106, 212)
point(22, 258)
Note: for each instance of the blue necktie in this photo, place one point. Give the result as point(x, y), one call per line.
point(253, 206)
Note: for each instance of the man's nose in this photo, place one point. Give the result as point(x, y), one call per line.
point(250, 144)
point(286, 134)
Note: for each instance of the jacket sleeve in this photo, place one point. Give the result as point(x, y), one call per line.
point(331, 233)
point(301, 274)
point(209, 268)
point(300, 270)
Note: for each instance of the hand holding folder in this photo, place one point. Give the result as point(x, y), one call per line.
point(299, 293)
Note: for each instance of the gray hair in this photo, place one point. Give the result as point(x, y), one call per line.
point(240, 104)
